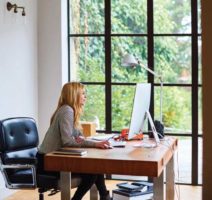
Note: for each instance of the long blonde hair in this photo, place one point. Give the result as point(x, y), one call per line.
point(70, 95)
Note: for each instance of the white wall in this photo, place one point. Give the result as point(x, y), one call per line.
point(18, 65)
point(31, 83)
point(52, 58)
point(33, 62)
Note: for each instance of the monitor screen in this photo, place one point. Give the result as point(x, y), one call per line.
point(140, 106)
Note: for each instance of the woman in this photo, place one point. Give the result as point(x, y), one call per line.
point(65, 131)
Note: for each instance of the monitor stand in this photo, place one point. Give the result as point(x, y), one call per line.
point(155, 134)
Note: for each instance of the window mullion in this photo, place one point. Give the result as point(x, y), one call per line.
point(150, 39)
point(108, 92)
point(194, 92)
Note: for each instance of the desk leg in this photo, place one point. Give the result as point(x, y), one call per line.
point(170, 179)
point(158, 188)
point(65, 185)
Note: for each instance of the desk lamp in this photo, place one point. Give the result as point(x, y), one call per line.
point(130, 61)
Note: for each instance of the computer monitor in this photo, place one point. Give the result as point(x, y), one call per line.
point(140, 111)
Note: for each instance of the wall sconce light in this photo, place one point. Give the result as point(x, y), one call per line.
point(15, 8)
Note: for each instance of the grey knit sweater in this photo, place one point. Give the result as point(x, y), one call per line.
point(62, 133)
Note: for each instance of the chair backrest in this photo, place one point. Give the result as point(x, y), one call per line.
point(18, 138)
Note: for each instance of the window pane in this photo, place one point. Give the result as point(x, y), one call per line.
point(95, 105)
point(173, 58)
point(87, 59)
point(200, 110)
point(183, 160)
point(200, 160)
point(122, 102)
point(82, 15)
point(132, 45)
point(129, 16)
point(199, 17)
point(172, 16)
point(200, 59)
point(176, 110)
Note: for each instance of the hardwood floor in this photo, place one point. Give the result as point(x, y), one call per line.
point(186, 193)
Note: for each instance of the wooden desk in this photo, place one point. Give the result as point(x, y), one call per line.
point(124, 161)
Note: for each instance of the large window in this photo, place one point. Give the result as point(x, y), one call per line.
point(166, 36)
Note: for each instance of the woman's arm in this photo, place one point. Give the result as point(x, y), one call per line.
point(69, 136)
point(72, 137)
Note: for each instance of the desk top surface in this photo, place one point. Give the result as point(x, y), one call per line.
point(129, 160)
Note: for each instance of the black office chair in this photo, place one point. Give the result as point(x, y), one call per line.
point(18, 149)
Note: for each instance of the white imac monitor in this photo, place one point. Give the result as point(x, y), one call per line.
point(141, 111)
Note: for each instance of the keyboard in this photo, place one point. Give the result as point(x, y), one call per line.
point(102, 137)
point(109, 137)
point(115, 143)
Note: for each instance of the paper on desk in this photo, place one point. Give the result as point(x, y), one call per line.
point(101, 137)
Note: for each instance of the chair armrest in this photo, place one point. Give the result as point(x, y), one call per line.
point(18, 166)
point(11, 185)
point(21, 161)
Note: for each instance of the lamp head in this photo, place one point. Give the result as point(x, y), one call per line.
point(129, 61)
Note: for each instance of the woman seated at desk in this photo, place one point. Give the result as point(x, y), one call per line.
point(65, 131)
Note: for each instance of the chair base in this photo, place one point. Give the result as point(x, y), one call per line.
point(42, 190)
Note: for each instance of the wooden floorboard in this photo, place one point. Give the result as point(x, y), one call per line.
point(186, 193)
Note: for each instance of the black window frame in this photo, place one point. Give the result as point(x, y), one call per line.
point(194, 85)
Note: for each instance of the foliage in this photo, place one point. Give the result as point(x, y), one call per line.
point(172, 57)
